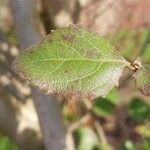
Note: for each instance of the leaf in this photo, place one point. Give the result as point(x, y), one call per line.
point(128, 145)
point(7, 144)
point(105, 147)
point(114, 96)
point(139, 110)
point(143, 130)
point(72, 62)
point(87, 139)
point(103, 107)
point(146, 54)
point(146, 144)
point(142, 79)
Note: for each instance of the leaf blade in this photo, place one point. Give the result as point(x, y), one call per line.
point(72, 62)
point(142, 79)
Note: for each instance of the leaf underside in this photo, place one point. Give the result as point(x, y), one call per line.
point(72, 62)
point(142, 79)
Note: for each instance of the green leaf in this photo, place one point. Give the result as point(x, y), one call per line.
point(114, 96)
point(146, 144)
point(142, 79)
point(143, 130)
point(105, 147)
point(139, 110)
point(146, 54)
point(128, 145)
point(72, 62)
point(103, 107)
point(131, 43)
point(6, 144)
point(87, 139)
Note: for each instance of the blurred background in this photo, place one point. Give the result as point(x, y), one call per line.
point(121, 121)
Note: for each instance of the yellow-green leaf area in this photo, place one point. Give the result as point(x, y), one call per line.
point(72, 61)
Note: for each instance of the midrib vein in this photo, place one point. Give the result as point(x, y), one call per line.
point(80, 59)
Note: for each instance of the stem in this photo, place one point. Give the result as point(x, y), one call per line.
point(135, 66)
point(100, 132)
point(48, 110)
point(77, 124)
point(131, 67)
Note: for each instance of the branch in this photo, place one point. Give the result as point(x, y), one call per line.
point(47, 107)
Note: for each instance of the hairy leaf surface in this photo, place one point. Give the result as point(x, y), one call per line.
point(72, 62)
point(142, 79)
